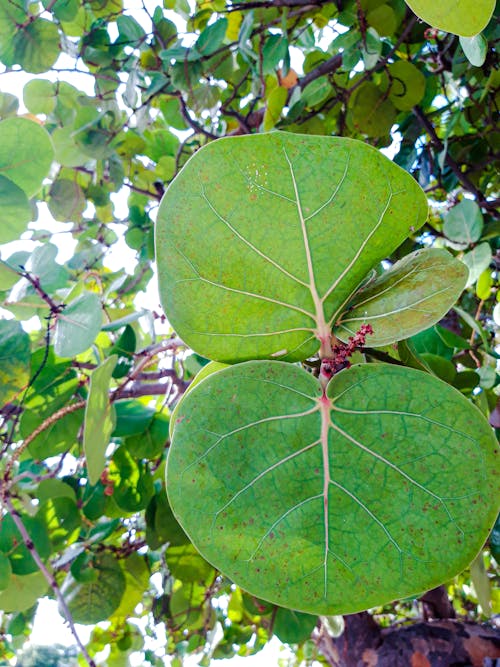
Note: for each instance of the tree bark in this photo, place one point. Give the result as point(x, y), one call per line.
point(439, 643)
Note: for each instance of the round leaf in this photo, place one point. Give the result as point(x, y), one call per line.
point(411, 296)
point(25, 153)
point(475, 48)
point(332, 504)
point(467, 17)
point(78, 325)
point(96, 600)
point(14, 360)
point(293, 627)
point(464, 222)
point(291, 248)
point(23, 592)
point(16, 210)
point(40, 96)
point(407, 85)
point(36, 46)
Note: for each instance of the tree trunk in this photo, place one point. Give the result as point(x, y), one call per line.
point(438, 643)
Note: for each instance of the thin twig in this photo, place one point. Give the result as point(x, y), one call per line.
point(16, 517)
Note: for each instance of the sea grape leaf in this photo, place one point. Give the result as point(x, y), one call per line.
point(307, 500)
point(99, 419)
point(407, 85)
point(40, 96)
point(464, 222)
point(475, 49)
point(36, 46)
point(292, 249)
point(94, 601)
point(23, 592)
point(467, 17)
point(411, 296)
point(5, 571)
point(78, 325)
point(477, 260)
point(13, 546)
point(26, 153)
point(293, 627)
point(16, 210)
point(15, 358)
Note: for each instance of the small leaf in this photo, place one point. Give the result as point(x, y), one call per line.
point(26, 153)
point(96, 600)
point(475, 49)
point(274, 106)
point(78, 325)
point(99, 420)
point(15, 360)
point(133, 484)
point(13, 546)
point(5, 572)
point(23, 592)
point(482, 584)
point(478, 260)
point(36, 46)
point(468, 17)
point(484, 285)
point(132, 418)
point(464, 222)
point(411, 296)
point(290, 493)
point(407, 85)
point(67, 200)
point(40, 96)
point(211, 37)
point(293, 627)
point(16, 211)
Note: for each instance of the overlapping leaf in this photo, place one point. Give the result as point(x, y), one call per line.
point(257, 256)
point(411, 296)
point(332, 504)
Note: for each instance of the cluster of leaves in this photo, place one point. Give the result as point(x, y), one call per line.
point(86, 395)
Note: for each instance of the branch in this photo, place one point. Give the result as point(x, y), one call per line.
point(462, 178)
point(330, 66)
point(16, 517)
point(66, 410)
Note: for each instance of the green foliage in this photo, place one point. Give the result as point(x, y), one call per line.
point(282, 225)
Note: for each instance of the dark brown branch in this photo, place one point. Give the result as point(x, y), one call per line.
point(444, 643)
point(437, 604)
point(462, 178)
point(330, 66)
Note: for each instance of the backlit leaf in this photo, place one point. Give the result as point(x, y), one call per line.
point(96, 600)
point(23, 592)
point(14, 360)
point(26, 153)
point(475, 48)
point(292, 248)
point(78, 325)
point(467, 17)
point(464, 222)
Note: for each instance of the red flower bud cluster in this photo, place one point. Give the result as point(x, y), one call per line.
point(343, 351)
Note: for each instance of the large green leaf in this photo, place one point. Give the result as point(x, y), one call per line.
point(14, 360)
point(411, 296)
point(13, 546)
point(332, 504)
point(467, 17)
point(36, 46)
point(99, 419)
point(26, 153)
point(291, 248)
